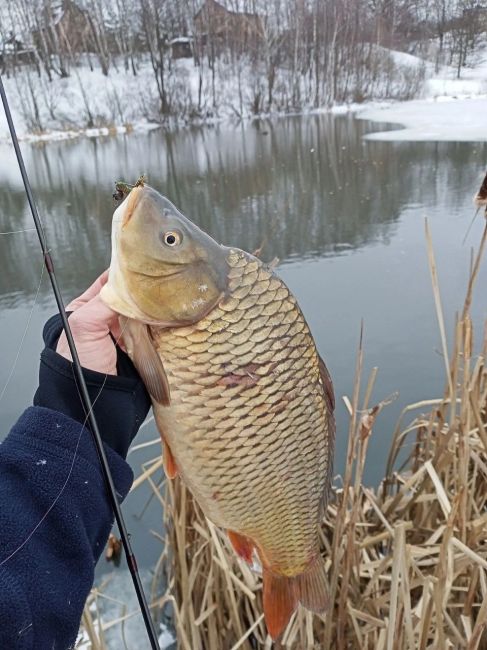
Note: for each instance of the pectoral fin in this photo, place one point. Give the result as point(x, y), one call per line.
point(145, 358)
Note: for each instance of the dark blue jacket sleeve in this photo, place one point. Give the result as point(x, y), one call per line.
point(54, 522)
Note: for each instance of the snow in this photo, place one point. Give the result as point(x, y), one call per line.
point(116, 103)
point(92, 105)
point(180, 39)
point(452, 109)
point(88, 103)
point(117, 601)
point(461, 120)
point(165, 638)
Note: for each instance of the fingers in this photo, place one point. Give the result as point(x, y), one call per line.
point(91, 324)
point(90, 293)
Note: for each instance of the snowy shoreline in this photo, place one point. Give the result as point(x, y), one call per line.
point(424, 120)
point(449, 109)
point(444, 118)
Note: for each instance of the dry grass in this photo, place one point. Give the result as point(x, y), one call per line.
point(407, 562)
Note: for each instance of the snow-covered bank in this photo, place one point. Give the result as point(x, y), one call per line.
point(87, 103)
point(452, 109)
point(91, 103)
point(446, 118)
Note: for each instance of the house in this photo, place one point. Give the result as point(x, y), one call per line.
point(64, 26)
point(218, 27)
point(14, 52)
point(181, 47)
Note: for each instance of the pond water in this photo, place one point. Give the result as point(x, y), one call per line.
point(344, 215)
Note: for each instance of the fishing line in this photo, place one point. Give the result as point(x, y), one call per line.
point(86, 401)
point(17, 232)
point(63, 487)
point(70, 471)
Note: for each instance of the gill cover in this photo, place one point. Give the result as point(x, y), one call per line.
point(164, 270)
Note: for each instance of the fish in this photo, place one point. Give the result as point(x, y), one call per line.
point(480, 198)
point(242, 400)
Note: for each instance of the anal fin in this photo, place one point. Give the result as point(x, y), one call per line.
point(170, 467)
point(242, 545)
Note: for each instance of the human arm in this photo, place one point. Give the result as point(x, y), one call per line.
point(54, 513)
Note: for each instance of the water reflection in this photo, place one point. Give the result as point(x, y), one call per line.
point(304, 187)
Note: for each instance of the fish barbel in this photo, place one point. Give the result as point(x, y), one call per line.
point(242, 400)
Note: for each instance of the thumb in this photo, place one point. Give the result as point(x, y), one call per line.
point(90, 325)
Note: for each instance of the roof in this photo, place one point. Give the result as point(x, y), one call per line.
point(224, 5)
point(181, 39)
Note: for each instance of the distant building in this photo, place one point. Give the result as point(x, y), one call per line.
point(218, 27)
point(64, 26)
point(181, 47)
point(14, 52)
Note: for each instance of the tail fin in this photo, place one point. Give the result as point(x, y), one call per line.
point(282, 595)
point(280, 601)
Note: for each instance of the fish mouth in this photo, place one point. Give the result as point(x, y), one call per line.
point(132, 202)
point(162, 275)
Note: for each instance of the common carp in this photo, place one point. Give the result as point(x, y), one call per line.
point(242, 400)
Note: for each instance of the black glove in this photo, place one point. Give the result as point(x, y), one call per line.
point(121, 401)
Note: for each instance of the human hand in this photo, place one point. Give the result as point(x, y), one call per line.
point(93, 325)
point(120, 399)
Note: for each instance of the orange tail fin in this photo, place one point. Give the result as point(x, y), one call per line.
point(279, 602)
point(311, 586)
point(282, 595)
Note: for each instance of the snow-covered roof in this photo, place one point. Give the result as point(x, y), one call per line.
point(180, 39)
point(237, 7)
point(57, 12)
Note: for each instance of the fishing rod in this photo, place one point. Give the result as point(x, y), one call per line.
point(84, 395)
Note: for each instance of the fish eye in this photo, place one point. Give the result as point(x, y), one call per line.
point(172, 238)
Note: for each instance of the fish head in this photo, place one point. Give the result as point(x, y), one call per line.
point(164, 270)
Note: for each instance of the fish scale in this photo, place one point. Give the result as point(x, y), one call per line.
point(255, 447)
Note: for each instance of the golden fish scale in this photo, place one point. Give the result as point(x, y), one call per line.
point(248, 424)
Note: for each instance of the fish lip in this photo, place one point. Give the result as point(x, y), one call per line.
point(160, 275)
